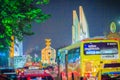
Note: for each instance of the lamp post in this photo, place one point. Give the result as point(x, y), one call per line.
point(118, 27)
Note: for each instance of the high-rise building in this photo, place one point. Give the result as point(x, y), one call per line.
point(18, 48)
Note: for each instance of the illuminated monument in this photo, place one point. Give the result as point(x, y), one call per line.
point(79, 27)
point(48, 54)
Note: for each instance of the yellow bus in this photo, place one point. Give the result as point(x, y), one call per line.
point(90, 59)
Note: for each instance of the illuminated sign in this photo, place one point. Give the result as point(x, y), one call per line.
point(113, 27)
point(114, 56)
point(101, 48)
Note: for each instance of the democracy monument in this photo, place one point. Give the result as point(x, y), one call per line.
point(48, 54)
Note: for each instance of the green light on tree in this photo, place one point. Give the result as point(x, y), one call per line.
point(16, 17)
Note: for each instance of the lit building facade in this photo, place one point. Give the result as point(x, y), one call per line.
point(18, 48)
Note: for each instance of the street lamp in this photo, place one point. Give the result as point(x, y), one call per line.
point(119, 28)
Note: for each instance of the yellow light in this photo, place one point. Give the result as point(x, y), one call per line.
point(12, 48)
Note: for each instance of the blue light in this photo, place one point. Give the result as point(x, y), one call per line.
point(2, 54)
point(114, 72)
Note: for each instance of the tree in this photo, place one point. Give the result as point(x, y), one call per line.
point(16, 17)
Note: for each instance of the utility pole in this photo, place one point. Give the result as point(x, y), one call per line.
point(66, 65)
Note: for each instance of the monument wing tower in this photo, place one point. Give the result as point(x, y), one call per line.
point(80, 27)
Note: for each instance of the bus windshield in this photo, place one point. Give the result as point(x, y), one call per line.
point(101, 48)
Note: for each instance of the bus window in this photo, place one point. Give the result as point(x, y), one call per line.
point(73, 55)
point(62, 58)
point(101, 48)
point(73, 65)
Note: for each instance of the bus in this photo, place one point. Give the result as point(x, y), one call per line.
point(90, 59)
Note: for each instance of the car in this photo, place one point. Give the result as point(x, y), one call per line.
point(33, 74)
point(7, 74)
point(4, 77)
point(37, 78)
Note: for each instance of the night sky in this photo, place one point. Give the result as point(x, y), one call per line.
point(99, 15)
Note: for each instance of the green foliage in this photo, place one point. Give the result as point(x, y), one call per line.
point(16, 17)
